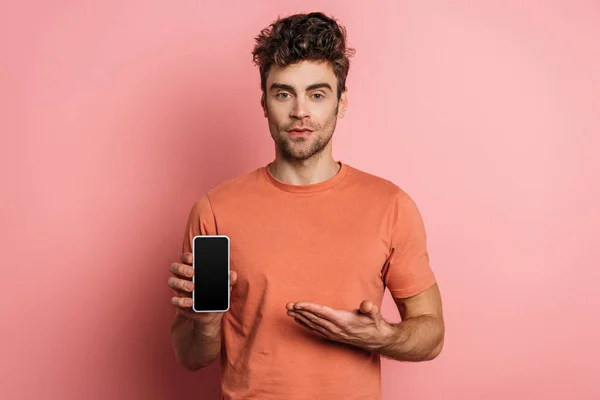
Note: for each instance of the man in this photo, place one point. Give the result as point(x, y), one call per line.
point(314, 244)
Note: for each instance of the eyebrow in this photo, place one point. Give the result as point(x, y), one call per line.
point(290, 88)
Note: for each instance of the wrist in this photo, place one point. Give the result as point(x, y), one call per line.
point(207, 330)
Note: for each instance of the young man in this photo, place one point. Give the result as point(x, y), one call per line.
point(314, 244)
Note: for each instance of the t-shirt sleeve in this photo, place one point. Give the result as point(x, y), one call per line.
point(407, 271)
point(201, 221)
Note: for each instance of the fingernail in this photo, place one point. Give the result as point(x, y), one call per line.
point(188, 302)
point(188, 286)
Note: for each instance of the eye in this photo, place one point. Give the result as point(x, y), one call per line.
point(283, 95)
point(318, 96)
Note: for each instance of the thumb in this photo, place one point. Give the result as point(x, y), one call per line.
point(368, 308)
point(233, 277)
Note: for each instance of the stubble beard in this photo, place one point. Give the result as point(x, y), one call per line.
point(294, 149)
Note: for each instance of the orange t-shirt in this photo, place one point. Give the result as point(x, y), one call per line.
point(336, 243)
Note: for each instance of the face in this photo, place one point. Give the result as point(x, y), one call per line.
point(302, 108)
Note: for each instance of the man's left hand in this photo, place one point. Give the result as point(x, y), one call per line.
point(363, 327)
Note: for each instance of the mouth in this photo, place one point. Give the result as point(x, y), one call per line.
point(299, 132)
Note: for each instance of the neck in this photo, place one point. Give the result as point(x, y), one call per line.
point(305, 172)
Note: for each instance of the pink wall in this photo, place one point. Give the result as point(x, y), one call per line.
point(113, 114)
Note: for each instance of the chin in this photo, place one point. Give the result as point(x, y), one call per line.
point(300, 154)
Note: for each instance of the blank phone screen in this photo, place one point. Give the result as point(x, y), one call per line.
point(211, 273)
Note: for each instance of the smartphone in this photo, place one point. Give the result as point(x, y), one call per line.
point(211, 273)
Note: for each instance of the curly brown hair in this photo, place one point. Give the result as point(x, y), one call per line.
point(312, 37)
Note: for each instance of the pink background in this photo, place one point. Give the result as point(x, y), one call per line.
point(117, 115)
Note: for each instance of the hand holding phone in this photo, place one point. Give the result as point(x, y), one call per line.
point(183, 284)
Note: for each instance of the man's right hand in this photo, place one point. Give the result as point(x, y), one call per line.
point(182, 283)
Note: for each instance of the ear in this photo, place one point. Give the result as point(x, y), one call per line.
point(343, 104)
point(263, 104)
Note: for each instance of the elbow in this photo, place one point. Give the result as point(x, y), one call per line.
point(437, 343)
point(187, 365)
point(436, 351)
point(192, 366)
point(181, 360)
point(441, 334)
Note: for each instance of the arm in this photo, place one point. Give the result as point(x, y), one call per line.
point(411, 281)
point(196, 346)
point(195, 337)
point(420, 335)
point(408, 276)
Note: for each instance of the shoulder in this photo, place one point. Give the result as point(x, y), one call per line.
point(377, 186)
point(237, 184)
point(230, 190)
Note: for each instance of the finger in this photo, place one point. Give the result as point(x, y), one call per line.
point(187, 258)
point(180, 284)
point(302, 320)
point(368, 308)
point(328, 313)
point(315, 320)
point(180, 294)
point(182, 270)
point(181, 302)
point(233, 277)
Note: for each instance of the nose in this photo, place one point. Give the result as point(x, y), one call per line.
point(299, 110)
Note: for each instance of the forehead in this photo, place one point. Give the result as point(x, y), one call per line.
point(302, 74)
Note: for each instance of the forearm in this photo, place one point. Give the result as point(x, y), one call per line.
point(414, 339)
point(195, 346)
